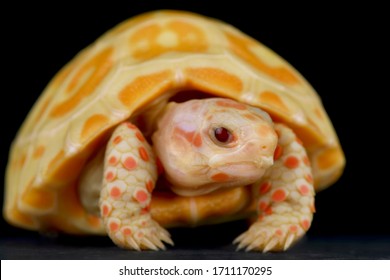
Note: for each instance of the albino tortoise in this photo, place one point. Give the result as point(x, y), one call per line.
point(229, 129)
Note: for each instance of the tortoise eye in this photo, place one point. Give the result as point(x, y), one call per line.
point(223, 135)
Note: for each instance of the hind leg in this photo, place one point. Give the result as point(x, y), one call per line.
point(130, 173)
point(286, 198)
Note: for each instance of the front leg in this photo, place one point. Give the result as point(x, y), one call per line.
point(130, 173)
point(286, 198)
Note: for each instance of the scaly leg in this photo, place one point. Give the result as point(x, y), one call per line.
point(130, 173)
point(286, 198)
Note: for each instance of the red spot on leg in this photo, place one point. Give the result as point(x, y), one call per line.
point(279, 195)
point(268, 211)
point(265, 187)
point(293, 228)
point(112, 160)
point(143, 154)
point(131, 126)
point(304, 190)
point(113, 226)
point(115, 192)
point(145, 210)
point(117, 140)
point(220, 177)
point(140, 136)
point(126, 231)
point(141, 196)
point(305, 224)
point(130, 163)
point(261, 217)
point(263, 205)
point(291, 162)
point(110, 176)
point(149, 186)
point(279, 232)
point(105, 210)
point(309, 178)
point(278, 152)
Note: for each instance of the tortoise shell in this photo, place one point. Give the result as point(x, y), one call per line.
point(145, 59)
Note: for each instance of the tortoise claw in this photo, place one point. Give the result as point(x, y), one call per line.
point(267, 238)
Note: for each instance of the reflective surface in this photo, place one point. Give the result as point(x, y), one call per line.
point(193, 244)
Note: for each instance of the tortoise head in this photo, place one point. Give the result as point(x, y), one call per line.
point(208, 144)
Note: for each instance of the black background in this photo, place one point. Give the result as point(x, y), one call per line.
point(337, 49)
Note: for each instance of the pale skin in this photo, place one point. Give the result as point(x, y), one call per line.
point(205, 146)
